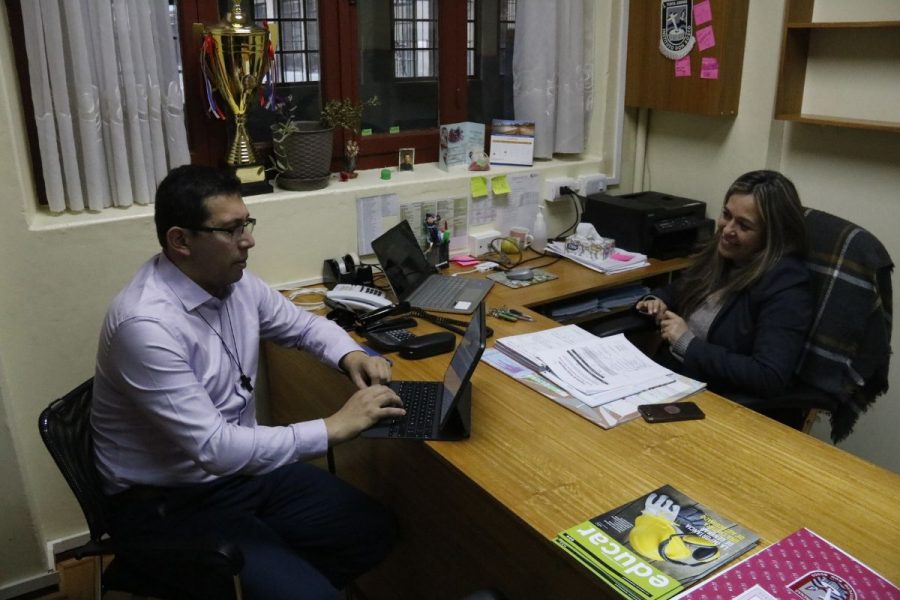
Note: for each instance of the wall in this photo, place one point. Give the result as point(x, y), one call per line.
point(59, 273)
point(849, 172)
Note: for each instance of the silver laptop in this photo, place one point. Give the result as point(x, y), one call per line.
point(414, 280)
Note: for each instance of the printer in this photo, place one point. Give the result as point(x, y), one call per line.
point(652, 223)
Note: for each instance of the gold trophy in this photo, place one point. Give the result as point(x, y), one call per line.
point(234, 56)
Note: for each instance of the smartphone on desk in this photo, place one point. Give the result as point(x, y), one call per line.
point(671, 411)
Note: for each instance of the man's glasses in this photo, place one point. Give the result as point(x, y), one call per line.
point(235, 232)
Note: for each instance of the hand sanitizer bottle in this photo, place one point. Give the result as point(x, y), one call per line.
point(539, 231)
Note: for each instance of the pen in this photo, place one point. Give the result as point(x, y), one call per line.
point(520, 314)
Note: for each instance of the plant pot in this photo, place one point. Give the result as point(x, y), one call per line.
point(307, 156)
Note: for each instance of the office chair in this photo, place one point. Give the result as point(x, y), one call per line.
point(846, 356)
point(848, 349)
point(66, 431)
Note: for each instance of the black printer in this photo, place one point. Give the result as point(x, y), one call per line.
point(652, 223)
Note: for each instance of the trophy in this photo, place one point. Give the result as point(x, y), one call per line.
point(235, 56)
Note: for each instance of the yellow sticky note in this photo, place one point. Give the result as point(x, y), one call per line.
point(478, 186)
point(499, 184)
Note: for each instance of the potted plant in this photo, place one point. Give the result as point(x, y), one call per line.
point(301, 151)
point(347, 114)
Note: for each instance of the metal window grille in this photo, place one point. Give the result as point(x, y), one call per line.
point(414, 38)
point(471, 39)
point(507, 24)
point(297, 53)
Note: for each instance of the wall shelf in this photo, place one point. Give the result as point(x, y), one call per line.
point(864, 42)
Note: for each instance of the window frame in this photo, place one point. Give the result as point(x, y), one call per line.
point(339, 78)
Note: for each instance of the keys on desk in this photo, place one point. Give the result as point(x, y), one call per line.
point(509, 314)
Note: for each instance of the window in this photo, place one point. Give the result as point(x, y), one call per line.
point(297, 51)
point(429, 62)
point(506, 33)
point(415, 38)
point(471, 47)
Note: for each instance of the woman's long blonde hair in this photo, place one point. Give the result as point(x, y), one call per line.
point(784, 233)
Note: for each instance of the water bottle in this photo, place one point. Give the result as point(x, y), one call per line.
point(539, 231)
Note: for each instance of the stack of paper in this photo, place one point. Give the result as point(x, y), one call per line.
point(620, 260)
point(603, 379)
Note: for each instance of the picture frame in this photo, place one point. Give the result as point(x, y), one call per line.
point(406, 159)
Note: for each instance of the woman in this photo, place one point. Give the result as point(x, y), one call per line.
point(738, 317)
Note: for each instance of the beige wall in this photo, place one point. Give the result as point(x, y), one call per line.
point(59, 273)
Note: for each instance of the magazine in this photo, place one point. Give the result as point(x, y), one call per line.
point(657, 545)
point(802, 566)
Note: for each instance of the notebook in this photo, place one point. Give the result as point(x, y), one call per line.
point(438, 410)
point(414, 280)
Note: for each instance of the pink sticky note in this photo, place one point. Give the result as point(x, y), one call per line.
point(706, 38)
point(702, 13)
point(465, 261)
point(620, 256)
point(683, 67)
point(709, 68)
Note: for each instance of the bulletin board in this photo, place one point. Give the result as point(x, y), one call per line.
point(707, 80)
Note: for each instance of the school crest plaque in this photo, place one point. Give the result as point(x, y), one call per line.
point(676, 32)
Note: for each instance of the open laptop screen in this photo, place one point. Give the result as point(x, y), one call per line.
point(464, 360)
point(402, 260)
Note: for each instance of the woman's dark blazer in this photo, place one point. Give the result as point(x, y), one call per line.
point(755, 341)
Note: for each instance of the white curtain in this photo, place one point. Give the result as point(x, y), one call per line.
point(553, 72)
point(107, 99)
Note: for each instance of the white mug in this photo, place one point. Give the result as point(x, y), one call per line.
point(522, 237)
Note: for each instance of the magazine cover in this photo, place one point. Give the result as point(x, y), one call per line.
point(802, 566)
point(657, 545)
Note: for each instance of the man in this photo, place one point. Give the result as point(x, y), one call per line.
point(176, 438)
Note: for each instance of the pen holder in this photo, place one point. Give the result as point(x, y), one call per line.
point(439, 255)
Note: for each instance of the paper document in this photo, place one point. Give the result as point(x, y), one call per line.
point(606, 415)
point(594, 370)
point(625, 262)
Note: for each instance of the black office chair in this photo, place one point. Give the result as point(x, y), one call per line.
point(213, 568)
point(844, 365)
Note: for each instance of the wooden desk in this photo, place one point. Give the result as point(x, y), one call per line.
point(483, 512)
point(574, 280)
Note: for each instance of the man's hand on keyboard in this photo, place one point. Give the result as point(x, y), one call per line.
point(362, 410)
point(365, 370)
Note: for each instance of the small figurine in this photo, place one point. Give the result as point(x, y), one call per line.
point(433, 233)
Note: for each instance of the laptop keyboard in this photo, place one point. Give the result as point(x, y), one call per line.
point(439, 291)
point(421, 400)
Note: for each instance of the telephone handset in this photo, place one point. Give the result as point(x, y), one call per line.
point(358, 297)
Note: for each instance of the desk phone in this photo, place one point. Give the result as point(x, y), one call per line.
point(358, 297)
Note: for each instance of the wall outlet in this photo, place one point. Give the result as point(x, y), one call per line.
point(592, 184)
point(553, 187)
point(480, 243)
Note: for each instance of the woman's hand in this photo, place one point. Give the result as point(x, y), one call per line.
point(653, 307)
point(671, 327)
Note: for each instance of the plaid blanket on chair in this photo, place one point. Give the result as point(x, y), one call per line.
point(848, 348)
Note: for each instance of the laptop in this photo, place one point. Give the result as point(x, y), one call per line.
point(438, 410)
point(414, 280)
